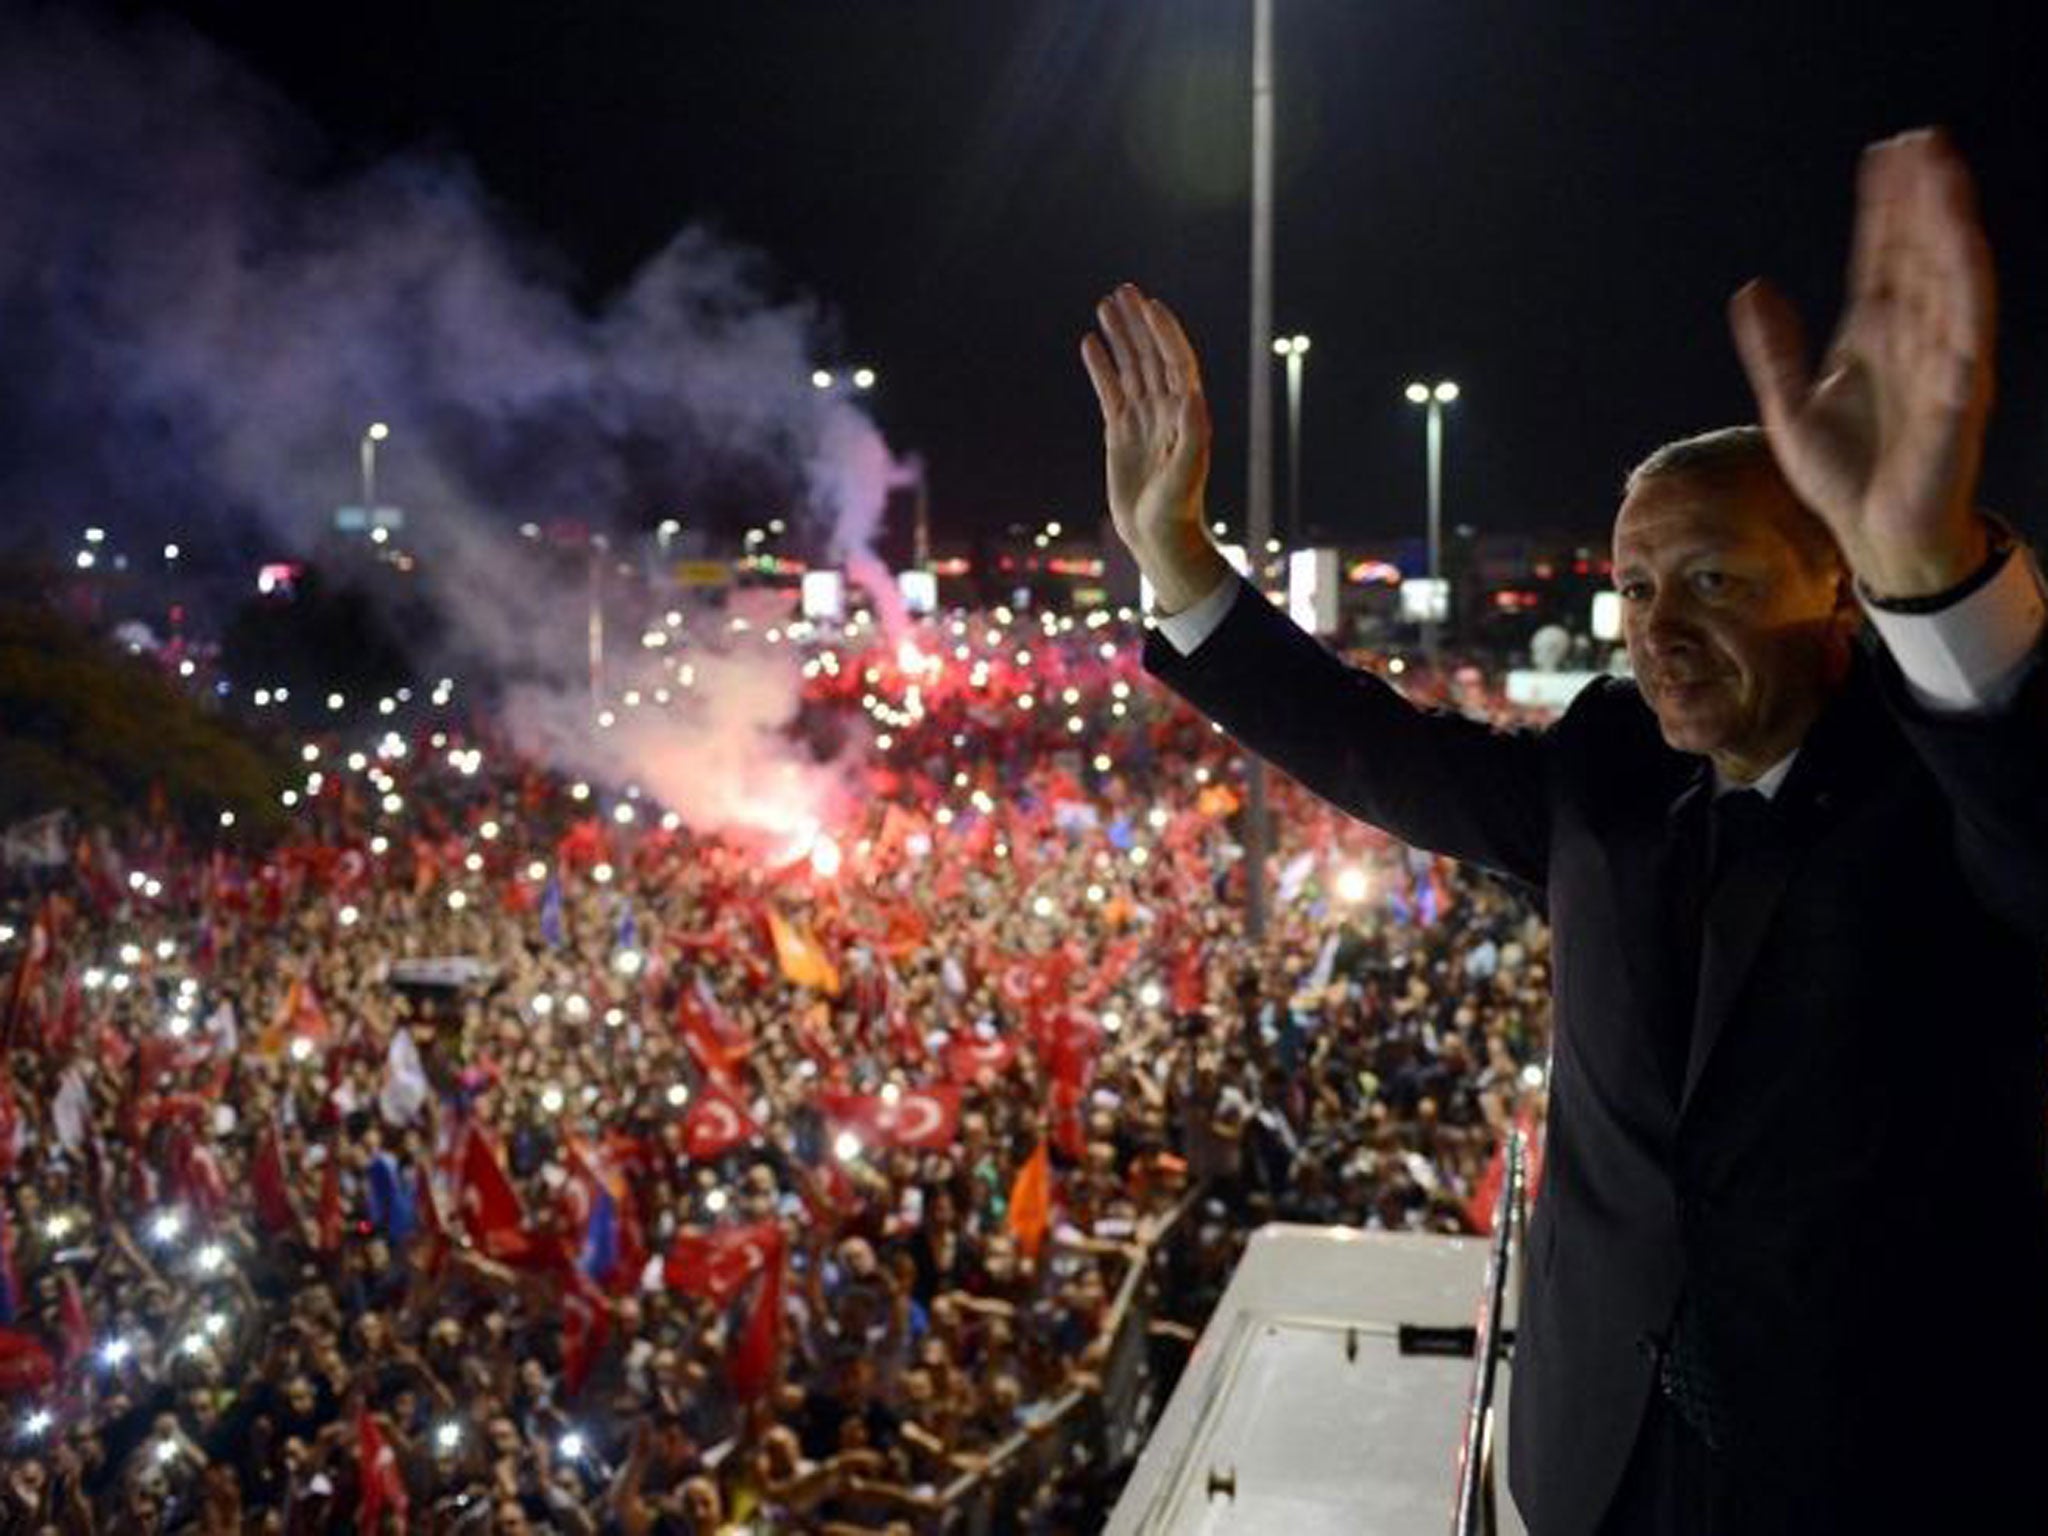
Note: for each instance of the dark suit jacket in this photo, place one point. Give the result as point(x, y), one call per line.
point(1850, 1184)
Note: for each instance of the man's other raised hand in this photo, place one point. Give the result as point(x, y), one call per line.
point(1885, 440)
point(1155, 440)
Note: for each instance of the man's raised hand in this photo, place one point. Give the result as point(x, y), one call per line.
point(1155, 436)
point(1885, 441)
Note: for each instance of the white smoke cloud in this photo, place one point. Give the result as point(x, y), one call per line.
point(200, 329)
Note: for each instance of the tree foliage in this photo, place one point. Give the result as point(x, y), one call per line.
point(85, 727)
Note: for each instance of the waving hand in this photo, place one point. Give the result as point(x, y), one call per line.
point(1885, 440)
point(1155, 436)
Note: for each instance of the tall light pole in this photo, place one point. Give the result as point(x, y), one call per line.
point(1258, 499)
point(1434, 398)
point(373, 434)
point(1293, 350)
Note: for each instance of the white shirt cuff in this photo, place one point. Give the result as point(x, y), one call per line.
point(1969, 656)
point(1197, 622)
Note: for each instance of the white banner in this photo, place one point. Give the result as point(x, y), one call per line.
point(38, 843)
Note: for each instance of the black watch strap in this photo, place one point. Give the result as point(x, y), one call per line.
point(2002, 545)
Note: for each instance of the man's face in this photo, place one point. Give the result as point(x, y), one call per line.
point(1735, 637)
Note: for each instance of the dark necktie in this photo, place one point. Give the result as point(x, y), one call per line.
point(1712, 845)
point(1713, 839)
point(1742, 820)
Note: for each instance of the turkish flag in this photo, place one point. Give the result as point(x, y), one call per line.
point(716, 1123)
point(1069, 1133)
point(1109, 971)
point(829, 1195)
point(1478, 1206)
point(383, 1484)
point(972, 1060)
point(586, 1326)
point(28, 973)
point(196, 1175)
point(490, 1208)
point(713, 1039)
point(1069, 1043)
point(904, 930)
point(925, 1119)
point(751, 1366)
point(716, 1264)
point(25, 1366)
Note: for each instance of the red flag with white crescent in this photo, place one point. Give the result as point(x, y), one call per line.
point(489, 1206)
point(715, 1123)
point(383, 1481)
point(923, 1119)
point(751, 1366)
point(276, 1212)
point(715, 1264)
point(972, 1060)
point(718, 1044)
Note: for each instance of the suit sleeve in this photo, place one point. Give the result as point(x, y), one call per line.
point(1993, 766)
point(1433, 778)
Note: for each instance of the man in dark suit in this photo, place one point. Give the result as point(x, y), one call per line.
point(1788, 1270)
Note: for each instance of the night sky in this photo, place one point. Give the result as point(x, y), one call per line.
point(1546, 202)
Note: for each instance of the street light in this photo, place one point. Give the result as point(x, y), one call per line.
point(1434, 399)
point(862, 378)
point(374, 434)
point(1293, 350)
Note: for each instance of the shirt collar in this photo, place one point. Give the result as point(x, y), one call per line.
point(1767, 783)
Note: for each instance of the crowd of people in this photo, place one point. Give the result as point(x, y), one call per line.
point(499, 1154)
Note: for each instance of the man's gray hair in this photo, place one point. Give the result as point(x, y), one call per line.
point(1729, 456)
point(1724, 452)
